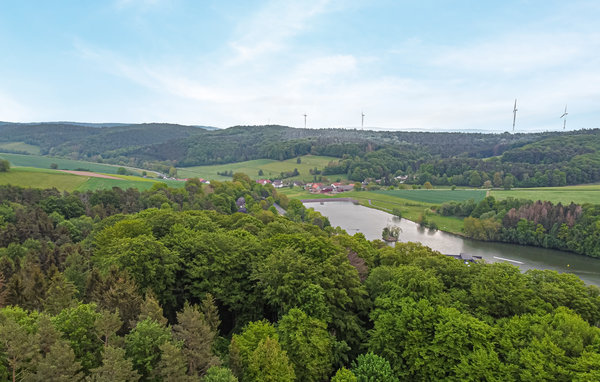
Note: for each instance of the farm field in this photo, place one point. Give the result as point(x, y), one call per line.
point(40, 161)
point(435, 196)
point(39, 178)
point(270, 168)
point(19, 146)
point(47, 178)
point(586, 193)
point(93, 184)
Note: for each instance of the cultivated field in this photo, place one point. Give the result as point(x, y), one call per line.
point(38, 178)
point(46, 178)
point(39, 161)
point(270, 168)
point(435, 196)
point(587, 193)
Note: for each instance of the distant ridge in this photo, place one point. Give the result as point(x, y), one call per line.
point(98, 125)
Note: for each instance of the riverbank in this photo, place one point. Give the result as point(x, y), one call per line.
point(371, 222)
point(409, 209)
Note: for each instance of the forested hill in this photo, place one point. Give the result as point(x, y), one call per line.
point(242, 143)
point(80, 141)
point(462, 159)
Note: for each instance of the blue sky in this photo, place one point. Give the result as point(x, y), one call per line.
point(429, 65)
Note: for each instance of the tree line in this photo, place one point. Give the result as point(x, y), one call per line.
point(572, 227)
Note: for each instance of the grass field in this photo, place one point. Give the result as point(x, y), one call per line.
point(270, 168)
point(19, 146)
point(46, 178)
point(101, 184)
point(435, 196)
point(587, 193)
point(39, 178)
point(39, 161)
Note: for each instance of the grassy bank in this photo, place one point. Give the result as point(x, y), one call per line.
point(410, 209)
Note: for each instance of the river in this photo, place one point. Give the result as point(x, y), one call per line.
point(370, 222)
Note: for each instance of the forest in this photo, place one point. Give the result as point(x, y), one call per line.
point(571, 227)
point(209, 283)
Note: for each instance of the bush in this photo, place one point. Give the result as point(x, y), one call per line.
point(4, 165)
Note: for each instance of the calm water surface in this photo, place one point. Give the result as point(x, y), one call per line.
point(370, 222)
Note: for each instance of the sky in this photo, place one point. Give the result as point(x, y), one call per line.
point(407, 65)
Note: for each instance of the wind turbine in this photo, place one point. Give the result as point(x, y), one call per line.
point(565, 116)
point(304, 120)
point(362, 121)
point(515, 115)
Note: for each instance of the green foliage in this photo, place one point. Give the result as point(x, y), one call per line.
point(308, 344)
point(243, 344)
point(219, 374)
point(77, 325)
point(59, 365)
point(4, 165)
point(344, 375)
point(268, 363)
point(115, 367)
point(142, 346)
point(197, 338)
point(372, 368)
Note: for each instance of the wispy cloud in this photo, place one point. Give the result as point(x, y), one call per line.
point(270, 28)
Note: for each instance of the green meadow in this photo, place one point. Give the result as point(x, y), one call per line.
point(46, 178)
point(270, 168)
point(585, 193)
point(40, 161)
point(39, 178)
point(19, 146)
point(436, 196)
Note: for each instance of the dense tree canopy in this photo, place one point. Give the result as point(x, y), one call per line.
point(195, 289)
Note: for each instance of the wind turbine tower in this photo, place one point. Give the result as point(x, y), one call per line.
point(565, 117)
point(304, 120)
point(362, 121)
point(515, 115)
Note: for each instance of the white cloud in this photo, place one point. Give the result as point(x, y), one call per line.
point(271, 27)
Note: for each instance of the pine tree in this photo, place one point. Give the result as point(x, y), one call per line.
point(197, 337)
point(60, 294)
point(172, 366)
point(20, 348)
point(115, 367)
point(107, 325)
point(211, 313)
point(151, 308)
point(59, 365)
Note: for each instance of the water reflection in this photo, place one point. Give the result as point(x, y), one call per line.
point(356, 218)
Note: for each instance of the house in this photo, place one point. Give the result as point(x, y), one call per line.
point(401, 178)
point(466, 258)
point(326, 189)
point(345, 188)
point(314, 187)
point(278, 184)
point(263, 181)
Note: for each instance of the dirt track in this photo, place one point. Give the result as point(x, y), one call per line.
point(91, 174)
